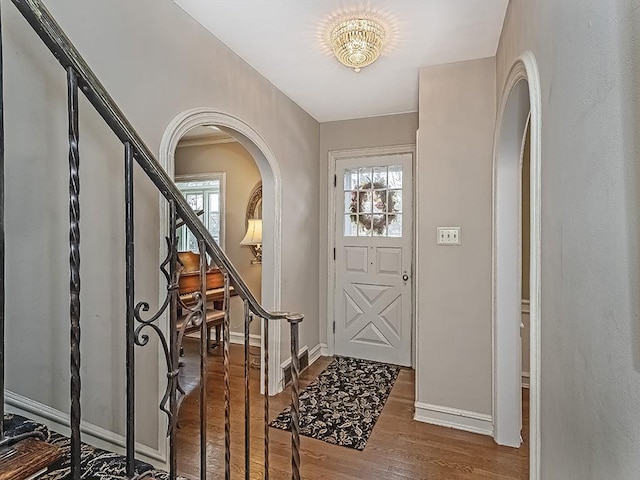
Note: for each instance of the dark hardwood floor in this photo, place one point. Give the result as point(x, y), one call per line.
point(398, 449)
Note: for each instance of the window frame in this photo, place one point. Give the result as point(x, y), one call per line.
point(211, 176)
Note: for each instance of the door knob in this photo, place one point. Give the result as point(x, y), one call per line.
point(405, 277)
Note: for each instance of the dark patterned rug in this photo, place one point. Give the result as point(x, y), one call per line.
point(343, 404)
point(97, 464)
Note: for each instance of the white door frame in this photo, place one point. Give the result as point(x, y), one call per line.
point(331, 230)
point(271, 217)
point(520, 103)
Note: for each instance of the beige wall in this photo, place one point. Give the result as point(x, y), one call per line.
point(242, 175)
point(589, 65)
point(345, 135)
point(157, 62)
point(453, 186)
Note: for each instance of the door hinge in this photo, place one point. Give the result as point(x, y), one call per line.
point(334, 327)
point(335, 181)
point(334, 253)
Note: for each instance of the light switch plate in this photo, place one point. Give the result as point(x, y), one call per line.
point(448, 235)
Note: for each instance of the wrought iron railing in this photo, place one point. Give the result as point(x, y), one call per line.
point(81, 78)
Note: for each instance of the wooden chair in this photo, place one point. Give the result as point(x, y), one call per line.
point(214, 319)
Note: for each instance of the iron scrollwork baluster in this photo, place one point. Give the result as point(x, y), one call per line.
point(169, 349)
point(192, 317)
point(141, 339)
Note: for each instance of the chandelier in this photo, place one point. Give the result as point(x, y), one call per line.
point(357, 42)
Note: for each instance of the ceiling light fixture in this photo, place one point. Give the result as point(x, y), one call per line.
point(357, 42)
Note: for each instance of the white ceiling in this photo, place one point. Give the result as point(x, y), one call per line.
point(284, 41)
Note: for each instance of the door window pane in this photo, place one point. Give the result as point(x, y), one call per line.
point(364, 225)
point(380, 175)
point(373, 202)
point(364, 177)
point(379, 226)
point(350, 226)
point(395, 225)
point(379, 201)
point(350, 202)
point(395, 176)
point(394, 200)
point(351, 179)
point(365, 203)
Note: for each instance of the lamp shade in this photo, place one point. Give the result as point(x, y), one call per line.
point(254, 233)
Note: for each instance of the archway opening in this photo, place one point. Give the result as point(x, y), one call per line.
point(269, 171)
point(518, 127)
point(219, 178)
point(508, 242)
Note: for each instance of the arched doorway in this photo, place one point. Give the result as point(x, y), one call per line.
point(520, 107)
point(271, 200)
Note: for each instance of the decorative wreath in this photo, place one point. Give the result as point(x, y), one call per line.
point(386, 204)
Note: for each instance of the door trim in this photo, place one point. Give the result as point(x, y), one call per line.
point(331, 231)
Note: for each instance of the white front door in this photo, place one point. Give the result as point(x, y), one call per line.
point(373, 258)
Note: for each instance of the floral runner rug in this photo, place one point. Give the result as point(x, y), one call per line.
point(343, 404)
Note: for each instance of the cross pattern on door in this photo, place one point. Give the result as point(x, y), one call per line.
point(382, 306)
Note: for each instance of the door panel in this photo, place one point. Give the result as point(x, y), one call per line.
point(373, 258)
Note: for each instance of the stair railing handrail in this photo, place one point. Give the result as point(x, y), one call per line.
point(63, 49)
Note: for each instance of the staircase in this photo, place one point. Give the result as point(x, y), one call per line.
point(139, 324)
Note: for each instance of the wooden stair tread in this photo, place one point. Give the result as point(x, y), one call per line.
point(27, 458)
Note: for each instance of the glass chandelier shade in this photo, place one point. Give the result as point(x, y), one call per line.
point(357, 42)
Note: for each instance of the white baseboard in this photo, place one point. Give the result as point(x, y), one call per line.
point(454, 418)
point(238, 338)
point(324, 350)
point(525, 379)
point(315, 353)
point(92, 434)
